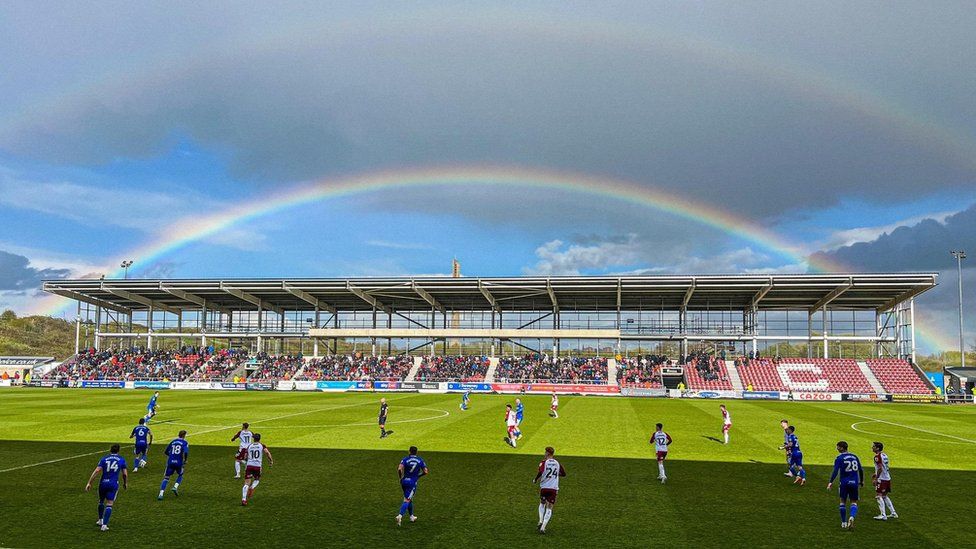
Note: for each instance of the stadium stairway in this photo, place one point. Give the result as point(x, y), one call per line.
point(492, 368)
point(301, 370)
point(612, 372)
point(415, 369)
point(734, 375)
point(872, 379)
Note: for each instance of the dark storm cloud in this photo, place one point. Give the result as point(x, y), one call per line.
point(16, 274)
point(641, 102)
point(922, 247)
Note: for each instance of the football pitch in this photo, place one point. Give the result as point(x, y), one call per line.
point(334, 481)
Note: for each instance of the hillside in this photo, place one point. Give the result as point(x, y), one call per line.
point(36, 336)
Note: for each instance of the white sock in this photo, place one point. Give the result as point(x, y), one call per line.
point(244, 493)
point(881, 504)
point(545, 519)
point(237, 468)
point(254, 484)
point(176, 486)
point(542, 512)
point(726, 438)
point(660, 467)
point(891, 507)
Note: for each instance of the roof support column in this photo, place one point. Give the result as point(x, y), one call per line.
point(203, 325)
point(373, 340)
point(810, 334)
point(98, 327)
point(78, 329)
point(150, 331)
point(315, 340)
point(911, 312)
point(824, 324)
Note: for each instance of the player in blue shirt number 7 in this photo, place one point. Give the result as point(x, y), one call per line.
point(410, 470)
point(111, 467)
point(848, 466)
point(177, 454)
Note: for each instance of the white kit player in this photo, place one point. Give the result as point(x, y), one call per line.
point(253, 454)
point(554, 405)
point(245, 437)
point(661, 441)
point(726, 422)
point(548, 478)
point(882, 482)
point(511, 422)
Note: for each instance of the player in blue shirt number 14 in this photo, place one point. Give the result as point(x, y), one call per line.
point(177, 454)
point(410, 470)
point(111, 467)
point(851, 477)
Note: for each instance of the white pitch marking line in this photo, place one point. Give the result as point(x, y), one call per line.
point(903, 426)
point(856, 423)
point(188, 435)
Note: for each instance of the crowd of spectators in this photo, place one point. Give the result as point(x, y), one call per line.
point(641, 371)
point(267, 367)
point(222, 364)
point(131, 364)
point(357, 367)
point(708, 366)
point(453, 368)
point(541, 367)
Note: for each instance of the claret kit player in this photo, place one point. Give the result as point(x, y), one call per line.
point(252, 455)
point(548, 478)
point(554, 405)
point(882, 482)
point(511, 424)
point(661, 441)
point(244, 436)
point(726, 422)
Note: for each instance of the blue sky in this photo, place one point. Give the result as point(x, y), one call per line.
point(849, 132)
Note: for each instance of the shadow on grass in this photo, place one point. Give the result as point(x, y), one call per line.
point(316, 497)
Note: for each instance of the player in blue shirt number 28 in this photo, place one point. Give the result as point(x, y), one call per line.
point(410, 470)
point(851, 477)
point(111, 467)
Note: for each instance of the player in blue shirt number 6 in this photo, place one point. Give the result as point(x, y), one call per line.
point(111, 467)
point(144, 438)
point(178, 452)
point(410, 470)
point(851, 477)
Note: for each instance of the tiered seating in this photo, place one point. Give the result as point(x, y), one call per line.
point(453, 368)
point(355, 368)
point(707, 373)
point(266, 367)
point(640, 371)
point(536, 368)
point(898, 376)
point(835, 375)
point(129, 365)
point(220, 367)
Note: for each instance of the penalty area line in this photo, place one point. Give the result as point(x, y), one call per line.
point(919, 429)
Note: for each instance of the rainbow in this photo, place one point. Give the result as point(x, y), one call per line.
point(189, 230)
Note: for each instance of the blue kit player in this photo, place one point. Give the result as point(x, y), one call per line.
point(178, 452)
point(151, 408)
point(851, 477)
point(465, 399)
point(785, 424)
point(795, 456)
point(410, 470)
point(110, 466)
point(144, 439)
point(519, 412)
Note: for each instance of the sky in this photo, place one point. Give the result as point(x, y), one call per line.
point(519, 137)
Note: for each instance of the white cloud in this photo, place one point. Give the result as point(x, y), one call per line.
point(398, 245)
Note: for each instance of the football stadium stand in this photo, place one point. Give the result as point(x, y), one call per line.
point(898, 376)
point(536, 367)
point(453, 368)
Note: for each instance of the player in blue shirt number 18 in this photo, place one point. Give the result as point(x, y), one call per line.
point(851, 477)
point(177, 454)
point(111, 467)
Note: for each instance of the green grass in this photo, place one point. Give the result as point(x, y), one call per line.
point(334, 482)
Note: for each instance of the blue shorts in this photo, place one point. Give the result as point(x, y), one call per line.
point(107, 490)
point(848, 492)
point(409, 487)
point(142, 447)
point(173, 469)
point(796, 459)
point(518, 417)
